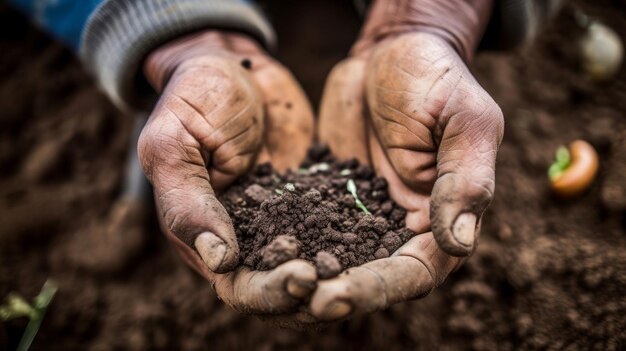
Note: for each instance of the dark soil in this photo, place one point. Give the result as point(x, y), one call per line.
point(547, 274)
point(313, 206)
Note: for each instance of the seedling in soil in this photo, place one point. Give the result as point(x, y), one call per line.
point(318, 167)
point(560, 164)
point(288, 187)
point(17, 307)
point(574, 169)
point(352, 190)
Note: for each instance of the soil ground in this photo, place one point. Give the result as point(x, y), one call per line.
point(547, 274)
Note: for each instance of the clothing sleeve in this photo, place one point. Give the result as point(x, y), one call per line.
point(63, 19)
point(512, 23)
point(112, 37)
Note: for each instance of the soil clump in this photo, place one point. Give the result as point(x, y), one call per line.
point(310, 214)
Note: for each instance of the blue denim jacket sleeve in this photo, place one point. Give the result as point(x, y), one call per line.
point(64, 19)
point(112, 37)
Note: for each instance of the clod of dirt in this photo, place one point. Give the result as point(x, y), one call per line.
point(256, 194)
point(312, 210)
point(327, 265)
point(280, 250)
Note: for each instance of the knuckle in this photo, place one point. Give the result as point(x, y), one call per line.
point(345, 69)
point(481, 192)
point(286, 270)
point(474, 192)
point(297, 269)
point(145, 151)
point(217, 75)
point(175, 218)
point(156, 150)
point(490, 114)
point(495, 115)
point(180, 222)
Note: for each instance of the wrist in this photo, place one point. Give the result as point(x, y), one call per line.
point(162, 62)
point(461, 23)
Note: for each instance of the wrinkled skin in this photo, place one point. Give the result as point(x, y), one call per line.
point(409, 106)
point(404, 102)
point(224, 106)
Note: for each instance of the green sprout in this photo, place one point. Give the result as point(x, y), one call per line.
point(318, 167)
point(562, 162)
point(352, 190)
point(288, 187)
point(17, 307)
point(345, 172)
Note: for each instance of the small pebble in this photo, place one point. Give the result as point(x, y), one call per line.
point(381, 253)
point(282, 249)
point(327, 265)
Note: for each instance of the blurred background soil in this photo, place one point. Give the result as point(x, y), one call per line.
point(548, 274)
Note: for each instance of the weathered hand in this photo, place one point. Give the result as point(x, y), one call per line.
point(224, 105)
point(408, 105)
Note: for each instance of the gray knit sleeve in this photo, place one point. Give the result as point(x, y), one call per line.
point(120, 33)
point(515, 22)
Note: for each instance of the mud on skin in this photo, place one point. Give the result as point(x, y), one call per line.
point(309, 214)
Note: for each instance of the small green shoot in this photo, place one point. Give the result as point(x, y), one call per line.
point(352, 190)
point(562, 162)
point(17, 307)
point(318, 167)
point(345, 172)
point(288, 187)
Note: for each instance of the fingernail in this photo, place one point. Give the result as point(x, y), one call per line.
point(464, 227)
point(299, 289)
point(337, 310)
point(211, 249)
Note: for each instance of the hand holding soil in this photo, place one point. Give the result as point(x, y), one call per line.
point(433, 133)
point(547, 274)
point(224, 106)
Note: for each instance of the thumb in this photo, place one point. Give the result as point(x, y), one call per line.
point(465, 176)
point(188, 207)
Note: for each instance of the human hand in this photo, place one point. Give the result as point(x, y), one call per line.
point(406, 103)
point(224, 105)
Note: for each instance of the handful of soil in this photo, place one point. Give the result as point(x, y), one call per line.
point(312, 214)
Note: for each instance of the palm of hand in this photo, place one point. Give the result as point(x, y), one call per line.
point(214, 120)
point(410, 107)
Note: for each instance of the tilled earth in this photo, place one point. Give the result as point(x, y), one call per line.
point(547, 274)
